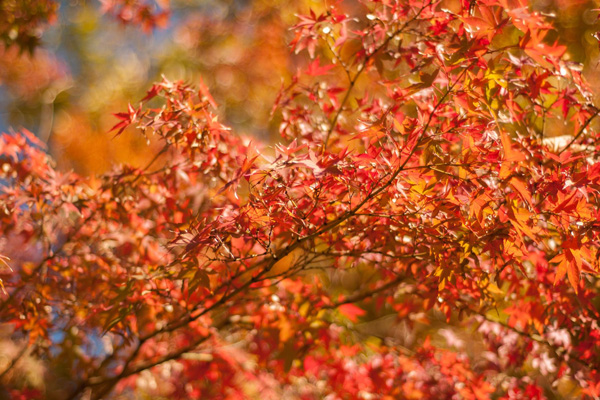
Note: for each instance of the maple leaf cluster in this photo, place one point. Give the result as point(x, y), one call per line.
point(427, 228)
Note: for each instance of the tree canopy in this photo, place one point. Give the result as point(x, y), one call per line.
point(425, 227)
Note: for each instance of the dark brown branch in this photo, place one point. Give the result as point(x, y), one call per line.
point(581, 130)
point(362, 296)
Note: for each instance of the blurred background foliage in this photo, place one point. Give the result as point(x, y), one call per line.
point(65, 83)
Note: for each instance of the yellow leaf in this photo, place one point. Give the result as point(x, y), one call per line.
point(285, 329)
point(494, 289)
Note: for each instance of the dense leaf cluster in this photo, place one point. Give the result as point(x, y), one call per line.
point(427, 228)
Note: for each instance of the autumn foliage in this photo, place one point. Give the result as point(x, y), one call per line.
point(427, 227)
